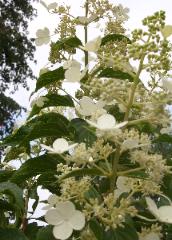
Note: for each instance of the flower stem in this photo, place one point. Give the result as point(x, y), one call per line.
point(126, 117)
point(123, 173)
point(86, 32)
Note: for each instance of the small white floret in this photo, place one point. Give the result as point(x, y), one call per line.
point(121, 185)
point(166, 31)
point(163, 213)
point(107, 122)
point(88, 107)
point(94, 45)
point(65, 219)
point(167, 84)
point(60, 146)
point(42, 37)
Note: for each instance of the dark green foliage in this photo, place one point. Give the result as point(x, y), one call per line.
point(50, 77)
point(45, 233)
point(15, 51)
point(36, 166)
point(15, 47)
point(115, 38)
point(53, 100)
point(111, 73)
point(47, 125)
point(82, 131)
point(12, 234)
point(14, 192)
point(9, 111)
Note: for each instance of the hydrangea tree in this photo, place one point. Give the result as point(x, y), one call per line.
point(101, 152)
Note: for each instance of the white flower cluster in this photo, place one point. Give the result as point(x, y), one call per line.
point(65, 219)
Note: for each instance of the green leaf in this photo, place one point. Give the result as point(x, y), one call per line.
point(128, 232)
point(92, 193)
point(82, 132)
point(72, 42)
point(164, 138)
point(83, 172)
point(32, 230)
point(15, 152)
point(96, 229)
point(46, 125)
point(5, 175)
point(6, 206)
point(12, 234)
point(53, 100)
point(114, 38)
point(14, 192)
point(50, 77)
point(36, 166)
point(111, 73)
point(45, 233)
point(49, 181)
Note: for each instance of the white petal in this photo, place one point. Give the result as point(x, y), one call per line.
point(152, 207)
point(87, 106)
point(77, 220)
point(121, 183)
point(83, 20)
point(39, 42)
point(92, 123)
point(73, 74)
point(63, 231)
point(130, 143)
point(165, 214)
point(86, 102)
point(54, 217)
point(44, 4)
point(92, 17)
point(120, 125)
point(71, 146)
point(167, 84)
point(46, 207)
point(82, 74)
point(106, 121)
point(66, 209)
point(167, 31)
point(47, 148)
point(93, 46)
point(60, 145)
point(100, 104)
point(52, 200)
point(52, 6)
point(75, 64)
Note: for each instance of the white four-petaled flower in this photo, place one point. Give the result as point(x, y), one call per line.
point(65, 219)
point(121, 185)
point(88, 107)
point(167, 84)
point(73, 71)
point(49, 6)
point(93, 45)
point(163, 213)
point(39, 102)
point(43, 36)
point(107, 122)
point(166, 31)
point(130, 143)
point(60, 146)
point(86, 20)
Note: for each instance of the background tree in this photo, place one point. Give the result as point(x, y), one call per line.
point(16, 49)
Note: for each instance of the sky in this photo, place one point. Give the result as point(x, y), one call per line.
point(138, 11)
